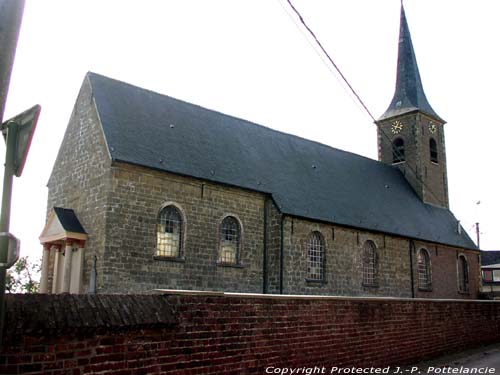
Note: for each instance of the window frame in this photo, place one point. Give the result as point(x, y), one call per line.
point(463, 276)
point(311, 264)
point(484, 276)
point(398, 150)
point(370, 264)
point(424, 274)
point(180, 252)
point(220, 242)
point(433, 151)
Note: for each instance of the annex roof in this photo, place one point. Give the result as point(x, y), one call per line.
point(62, 224)
point(409, 94)
point(490, 258)
point(305, 178)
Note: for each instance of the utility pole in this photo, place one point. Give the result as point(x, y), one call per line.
point(477, 236)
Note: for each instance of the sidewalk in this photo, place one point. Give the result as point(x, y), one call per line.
point(485, 358)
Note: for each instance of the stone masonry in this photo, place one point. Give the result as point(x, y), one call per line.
point(118, 205)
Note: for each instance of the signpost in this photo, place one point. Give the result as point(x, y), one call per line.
point(18, 133)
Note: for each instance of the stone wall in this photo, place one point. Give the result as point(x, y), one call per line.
point(428, 179)
point(343, 264)
point(233, 334)
point(118, 205)
point(137, 196)
point(80, 178)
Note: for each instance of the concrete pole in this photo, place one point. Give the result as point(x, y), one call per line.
point(44, 279)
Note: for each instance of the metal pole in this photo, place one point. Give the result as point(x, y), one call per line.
point(11, 14)
point(5, 213)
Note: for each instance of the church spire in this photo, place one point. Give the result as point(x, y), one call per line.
point(409, 95)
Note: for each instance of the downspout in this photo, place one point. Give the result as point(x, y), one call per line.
point(264, 250)
point(282, 252)
point(93, 277)
point(411, 247)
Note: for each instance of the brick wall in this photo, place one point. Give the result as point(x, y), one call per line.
point(233, 334)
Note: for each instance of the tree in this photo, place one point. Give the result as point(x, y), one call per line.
point(21, 277)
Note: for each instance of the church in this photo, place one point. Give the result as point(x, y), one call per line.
point(149, 192)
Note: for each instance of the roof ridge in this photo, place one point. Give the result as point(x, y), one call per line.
point(353, 190)
point(219, 113)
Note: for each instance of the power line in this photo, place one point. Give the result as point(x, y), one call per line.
point(384, 134)
point(331, 60)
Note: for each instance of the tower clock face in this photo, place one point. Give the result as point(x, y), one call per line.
point(396, 127)
point(432, 127)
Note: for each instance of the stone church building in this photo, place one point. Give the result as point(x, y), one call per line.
point(150, 192)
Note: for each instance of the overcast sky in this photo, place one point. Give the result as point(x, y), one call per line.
point(250, 59)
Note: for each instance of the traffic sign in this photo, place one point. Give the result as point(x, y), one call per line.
point(25, 124)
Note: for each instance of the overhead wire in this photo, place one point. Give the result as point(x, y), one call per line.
point(321, 55)
point(395, 151)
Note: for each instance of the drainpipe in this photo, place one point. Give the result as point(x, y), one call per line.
point(93, 277)
point(264, 251)
point(411, 247)
point(282, 252)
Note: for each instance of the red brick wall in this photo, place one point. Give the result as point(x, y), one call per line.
point(235, 334)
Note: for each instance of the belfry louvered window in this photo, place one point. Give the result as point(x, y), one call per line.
point(398, 150)
point(169, 232)
point(316, 257)
point(424, 270)
point(433, 150)
point(370, 264)
point(230, 241)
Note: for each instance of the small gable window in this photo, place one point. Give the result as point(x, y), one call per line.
point(463, 274)
point(398, 150)
point(424, 270)
point(370, 264)
point(433, 150)
point(316, 257)
point(169, 232)
point(229, 241)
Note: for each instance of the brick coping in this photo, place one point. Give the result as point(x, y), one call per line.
point(207, 293)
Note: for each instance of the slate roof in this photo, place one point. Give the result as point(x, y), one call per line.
point(490, 257)
point(409, 94)
point(305, 178)
point(68, 220)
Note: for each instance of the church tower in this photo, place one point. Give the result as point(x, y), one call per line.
point(410, 133)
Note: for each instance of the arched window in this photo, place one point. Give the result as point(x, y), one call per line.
point(169, 232)
point(433, 150)
point(463, 274)
point(316, 257)
point(398, 150)
point(370, 264)
point(229, 240)
point(424, 270)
